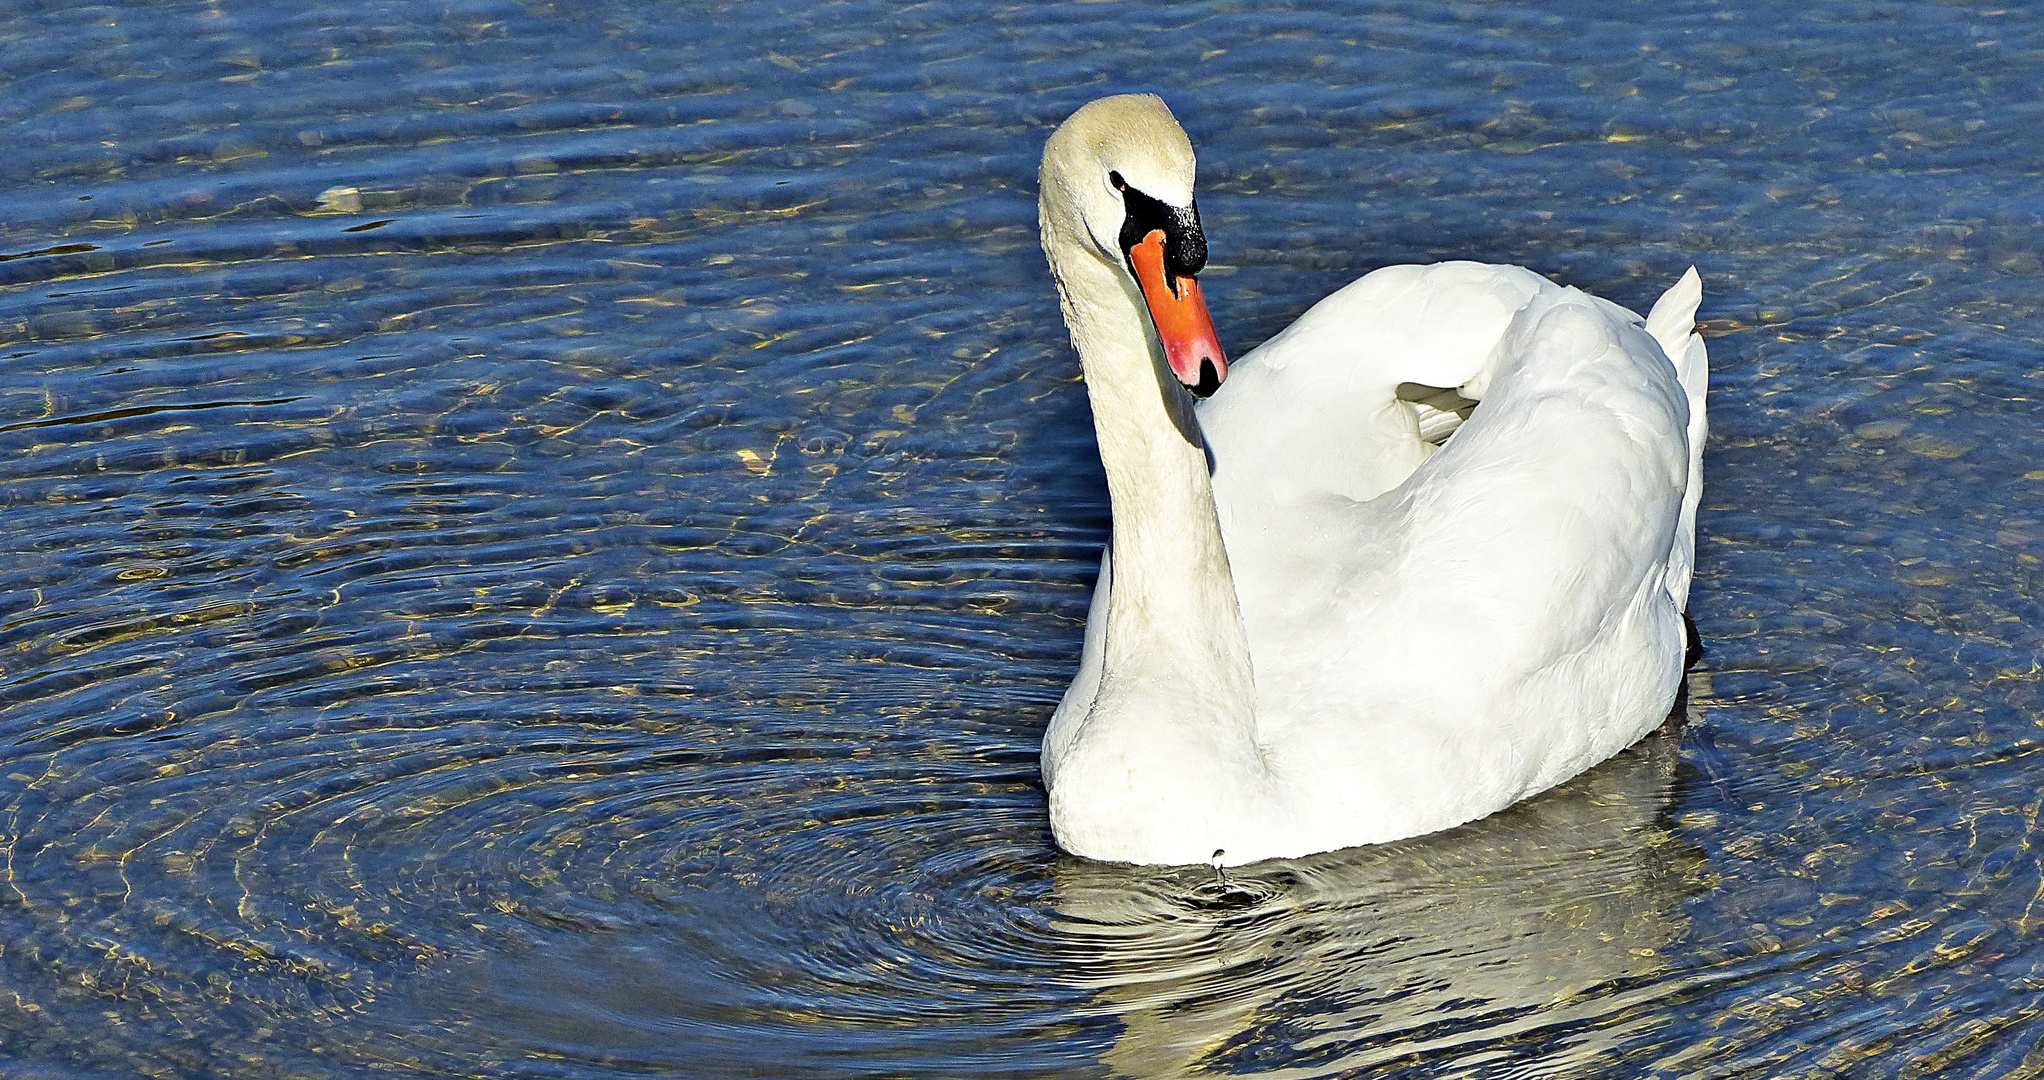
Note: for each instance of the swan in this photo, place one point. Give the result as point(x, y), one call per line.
point(1341, 604)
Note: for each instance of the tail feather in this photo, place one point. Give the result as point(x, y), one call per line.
point(1674, 316)
point(1673, 324)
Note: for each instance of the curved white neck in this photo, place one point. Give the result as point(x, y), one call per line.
point(1172, 612)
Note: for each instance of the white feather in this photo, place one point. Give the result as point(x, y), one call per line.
point(1354, 631)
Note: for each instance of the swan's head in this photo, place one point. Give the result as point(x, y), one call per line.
point(1117, 177)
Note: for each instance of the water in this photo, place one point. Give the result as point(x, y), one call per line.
point(540, 541)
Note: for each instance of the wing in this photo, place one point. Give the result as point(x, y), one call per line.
point(1317, 410)
point(1440, 411)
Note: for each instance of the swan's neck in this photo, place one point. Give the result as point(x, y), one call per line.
point(1165, 766)
point(1172, 609)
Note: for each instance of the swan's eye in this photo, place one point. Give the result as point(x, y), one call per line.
point(1114, 179)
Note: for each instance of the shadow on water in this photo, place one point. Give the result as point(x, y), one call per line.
point(1535, 933)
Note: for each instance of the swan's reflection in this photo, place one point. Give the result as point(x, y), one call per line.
point(1542, 915)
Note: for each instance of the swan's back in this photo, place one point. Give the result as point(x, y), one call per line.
point(1339, 402)
point(1503, 608)
point(1316, 409)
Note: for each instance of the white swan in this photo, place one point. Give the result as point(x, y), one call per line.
point(1332, 634)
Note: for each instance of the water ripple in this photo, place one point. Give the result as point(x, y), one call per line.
point(542, 541)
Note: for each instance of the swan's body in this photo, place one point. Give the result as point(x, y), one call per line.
point(1341, 634)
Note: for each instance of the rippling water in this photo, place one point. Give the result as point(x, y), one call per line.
point(540, 541)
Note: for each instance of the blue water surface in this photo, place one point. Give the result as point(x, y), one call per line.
point(540, 539)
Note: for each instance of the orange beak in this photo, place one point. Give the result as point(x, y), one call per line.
point(1179, 310)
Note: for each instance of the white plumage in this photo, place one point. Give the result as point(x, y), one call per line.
point(1349, 631)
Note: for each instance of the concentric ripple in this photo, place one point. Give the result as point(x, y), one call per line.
point(540, 541)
